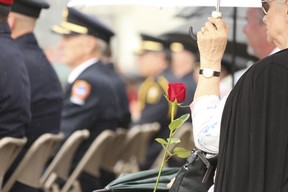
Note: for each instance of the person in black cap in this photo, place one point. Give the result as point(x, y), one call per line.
point(14, 85)
point(46, 91)
point(89, 101)
point(154, 58)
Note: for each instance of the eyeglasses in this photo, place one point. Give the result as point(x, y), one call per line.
point(265, 6)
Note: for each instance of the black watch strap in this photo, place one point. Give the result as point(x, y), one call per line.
point(207, 72)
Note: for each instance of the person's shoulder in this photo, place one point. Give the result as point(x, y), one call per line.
point(151, 90)
point(8, 45)
point(10, 53)
point(280, 54)
point(278, 58)
point(95, 77)
point(94, 71)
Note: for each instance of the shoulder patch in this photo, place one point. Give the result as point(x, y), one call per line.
point(154, 94)
point(80, 92)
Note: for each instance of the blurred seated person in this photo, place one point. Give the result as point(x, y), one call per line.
point(89, 101)
point(154, 58)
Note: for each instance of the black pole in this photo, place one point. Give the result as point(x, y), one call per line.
point(234, 43)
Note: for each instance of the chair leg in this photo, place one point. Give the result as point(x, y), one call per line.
point(54, 188)
point(76, 187)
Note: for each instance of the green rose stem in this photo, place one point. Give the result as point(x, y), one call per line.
point(173, 109)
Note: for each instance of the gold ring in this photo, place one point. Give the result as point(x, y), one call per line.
point(203, 29)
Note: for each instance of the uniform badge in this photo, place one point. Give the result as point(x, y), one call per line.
point(153, 94)
point(80, 92)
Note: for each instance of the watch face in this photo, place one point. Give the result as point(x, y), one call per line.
point(207, 72)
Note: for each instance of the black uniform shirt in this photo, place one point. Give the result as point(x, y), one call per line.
point(89, 101)
point(14, 87)
point(46, 91)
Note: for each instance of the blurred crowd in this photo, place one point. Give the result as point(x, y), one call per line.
point(96, 96)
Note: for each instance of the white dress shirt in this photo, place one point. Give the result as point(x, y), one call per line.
point(79, 69)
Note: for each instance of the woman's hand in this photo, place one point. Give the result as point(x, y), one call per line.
point(212, 40)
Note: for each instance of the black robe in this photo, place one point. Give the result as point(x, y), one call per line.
point(253, 152)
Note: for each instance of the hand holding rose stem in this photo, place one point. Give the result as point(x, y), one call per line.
point(176, 95)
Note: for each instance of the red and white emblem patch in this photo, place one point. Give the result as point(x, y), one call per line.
point(80, 92)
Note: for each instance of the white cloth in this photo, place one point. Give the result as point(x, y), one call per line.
point(79, 69)
point(206, 115)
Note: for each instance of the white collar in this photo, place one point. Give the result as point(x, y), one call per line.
point(275, 50)
point(79, 69)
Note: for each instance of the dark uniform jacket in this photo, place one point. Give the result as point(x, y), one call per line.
point(46, 91)
point(254, 130)
point(121, 97)
point(14, 87)
point(89, 103)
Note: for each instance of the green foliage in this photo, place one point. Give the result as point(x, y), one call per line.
point(161, 141)
point(178, 122)
point(181, 152)
point(176, 91)
point(174, 140)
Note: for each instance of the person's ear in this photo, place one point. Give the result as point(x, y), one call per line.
point(89, 44)
point(11, 20)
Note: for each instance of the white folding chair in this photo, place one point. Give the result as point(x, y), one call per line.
point(9, 149)
point(92, 159)
point(61, 163)
point(30, 168)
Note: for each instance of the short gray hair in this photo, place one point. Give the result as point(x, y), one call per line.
point(260, 14)
point(101, 46)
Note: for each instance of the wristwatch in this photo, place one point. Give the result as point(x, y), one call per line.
point(208, 73)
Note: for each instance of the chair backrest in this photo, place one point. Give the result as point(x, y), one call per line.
point(30, 168)
point(131, 144)
point(115, 150)
point(135, 146)
point(147, 131)
point(92, 159)
point(60, 165)
point(9, 149)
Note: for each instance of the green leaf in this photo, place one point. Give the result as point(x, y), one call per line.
point(162, 141)
point(181, 152)
point(178, 122)
point(175, 140)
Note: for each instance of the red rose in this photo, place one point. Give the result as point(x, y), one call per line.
point(176, 91)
